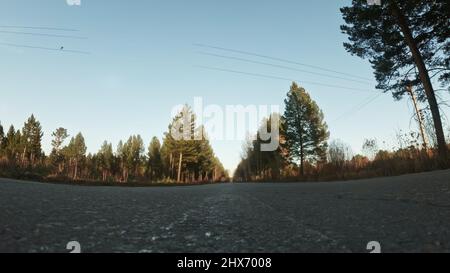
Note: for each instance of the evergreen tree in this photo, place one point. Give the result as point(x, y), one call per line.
point(131, 155)
point(18, 143)
point(91, 170)
point(219, 172)
point(76, 152)
point(167, 160)
point(154, 168)
point(56, 156)
point(31, 138)
point(262, 165)
point(59, 136)
point(120, 160)
point(179, 142)
point(306, 132)
point(404, 41)
point(206, 163)
point(12, 143)
point(186, 152)
point(2, 140)
point(105, 160)
point(273, 161)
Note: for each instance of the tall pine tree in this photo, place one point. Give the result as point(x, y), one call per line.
point(105, 158)
point(305, 130)
point(56, 156)
point(2, 140)
point(76, 152)
point(180, 145)
point(154, 168)
point(31, 137)
point(408, 45)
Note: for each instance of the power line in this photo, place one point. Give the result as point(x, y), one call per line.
point(359, 106)
point(41, 34)
point(281, 66)
point(371, 98)
point(41, 28)
point(46, 48)
point(278, 59)
point(280, 78)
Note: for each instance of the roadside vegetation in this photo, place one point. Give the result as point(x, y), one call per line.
point(189, 161)
point(306, 154)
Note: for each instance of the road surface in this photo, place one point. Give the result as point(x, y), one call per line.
point(408, 213)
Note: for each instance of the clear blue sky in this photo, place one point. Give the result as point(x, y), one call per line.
point(142, 61)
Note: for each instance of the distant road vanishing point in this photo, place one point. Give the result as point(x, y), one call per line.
point(404, 214)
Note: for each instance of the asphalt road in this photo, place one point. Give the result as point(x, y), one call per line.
point(404, 214)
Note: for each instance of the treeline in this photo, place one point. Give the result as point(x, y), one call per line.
point(181, 161)
point(304, 153)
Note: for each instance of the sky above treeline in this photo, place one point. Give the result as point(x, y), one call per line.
point(114, 68)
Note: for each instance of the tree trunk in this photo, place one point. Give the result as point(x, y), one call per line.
point(424, 78)
point(419, 118)
point(76, 170)
point(171, 166)
point(302, 157)
point(179, 167)
point(32, 159)
point(300, 138)
point(23, 155)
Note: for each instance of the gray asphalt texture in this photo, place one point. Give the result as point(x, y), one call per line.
point(408, 213)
